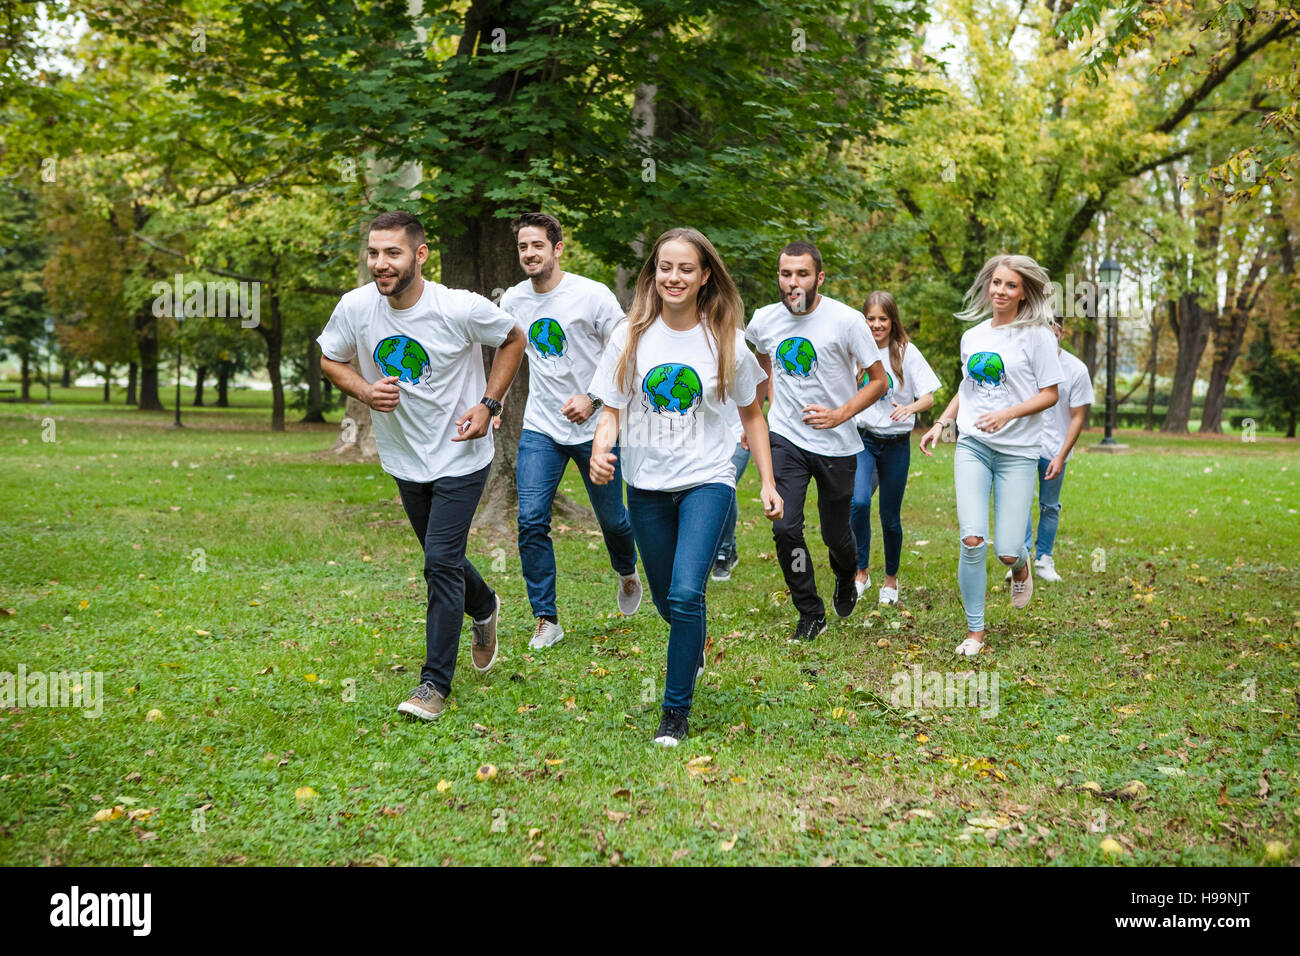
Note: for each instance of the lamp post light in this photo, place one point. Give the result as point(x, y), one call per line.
point(1110, 272)
point(49, 356)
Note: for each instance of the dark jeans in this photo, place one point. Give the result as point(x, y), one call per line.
point(538, 469)
point(793, 468)
point(678, 534)
point(739, 461)
point(882, 462)
point(454, 586)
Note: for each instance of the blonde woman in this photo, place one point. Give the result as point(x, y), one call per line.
point(886, 429)
point(1010, 372)
point(666, 378)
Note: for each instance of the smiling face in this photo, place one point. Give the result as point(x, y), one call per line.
point(536, 254)
point(799, 280)
point(679, 274)
point(1006, 291)
point(392, 262)
point(879, 324)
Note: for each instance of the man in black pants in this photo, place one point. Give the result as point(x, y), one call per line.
point(813, 348)
point(419, 345)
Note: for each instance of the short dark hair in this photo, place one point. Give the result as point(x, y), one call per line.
point(802, 248)
point(400, 219)
point(543, 221)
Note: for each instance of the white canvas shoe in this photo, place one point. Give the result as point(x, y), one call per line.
point(862, 585)
point(1046, 569)
point(888, 595)
point(969, 647)
point(546, 634)
point(629, 593)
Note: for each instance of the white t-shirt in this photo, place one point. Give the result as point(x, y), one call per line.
point(436, 348)
point(567, 329)
point(1002, 367)
point(1075, 390)
point(918, 379)
point(732, 411)
point(674, 433)
point(815, 361)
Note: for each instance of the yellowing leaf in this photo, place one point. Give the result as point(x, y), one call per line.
point(555, 763)
point(726, 845)
point(83, 605)
point(110, 813)
point(305, 793)
point(443, 786)
point(1111, 847)
point(922, 738)
point(485, 772)
point(1062, 738)
point(1092, 786)
point(153, 715)
point(310, 678)
point(203, 633)
point(837, 713)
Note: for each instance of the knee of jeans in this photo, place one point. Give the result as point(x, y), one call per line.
point(685, 598)
point(972, 541)
point(1008, 558)
point(533, 518)
point(1054, 508)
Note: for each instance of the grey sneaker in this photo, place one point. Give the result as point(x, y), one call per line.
point(425, 703)
point(483, 650)
point(546, 634)
point(1022, 591)
point(629, 593)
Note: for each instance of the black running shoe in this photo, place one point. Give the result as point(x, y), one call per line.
point(808, 629)
point(722, 566)
point(846, 596)
point(672, 727)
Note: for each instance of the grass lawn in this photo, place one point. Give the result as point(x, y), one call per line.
point(265, 606)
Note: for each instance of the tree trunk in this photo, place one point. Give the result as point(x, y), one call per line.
point(1152, 366)
point(132, 376)
point(273, 334)
point(1193, 332)
point(483, 260)
point(223, 384)
point(146, 334)
point(315, 412)
point(200, 374)
point(66, 380)
point(26, 377)
point(1290, 425)
point(1229, 330)
point(108, 380)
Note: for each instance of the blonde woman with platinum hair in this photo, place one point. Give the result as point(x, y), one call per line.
point(1009, 376)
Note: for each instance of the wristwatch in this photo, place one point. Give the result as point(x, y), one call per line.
point(596, 403)
point(492, 404)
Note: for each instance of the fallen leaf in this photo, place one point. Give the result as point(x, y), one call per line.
point(617, 816)
point(153, 715)
point(305, 793)
point(555, 763)
point(110, 813)
point(726, 845)
point(443, 786)
point(486, 772)
point(1111, 847)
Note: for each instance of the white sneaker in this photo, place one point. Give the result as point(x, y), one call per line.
point(862, 585)
point(969, 647)
point(546, 634)
point(629, 593)
point(888, 595)
point(1046, 569)
point(1007, 576)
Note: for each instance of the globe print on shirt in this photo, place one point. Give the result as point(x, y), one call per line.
point(986, 369)
point(402, 356)
point(672, 388)
point(797, 357)
point(547, 337)
point(863, 378)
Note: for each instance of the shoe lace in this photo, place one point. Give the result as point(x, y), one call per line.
point(424, 692)
point(1018, 587)
point(541, 626)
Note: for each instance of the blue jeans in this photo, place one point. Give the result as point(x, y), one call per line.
point(882, 463)
point(538, 469)
point(1049, 511)
point(981, 473)
point(678, 533)
point(739, 461)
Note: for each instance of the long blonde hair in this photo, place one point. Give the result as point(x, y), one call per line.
point(1035, 307)
point(897, 334)
point(718, 302)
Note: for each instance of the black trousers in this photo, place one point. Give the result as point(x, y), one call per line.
point(793, 468)
point(455, 588)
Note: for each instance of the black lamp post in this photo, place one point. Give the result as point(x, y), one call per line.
point(179, 314)
point(1110, 273)
point(49, 357)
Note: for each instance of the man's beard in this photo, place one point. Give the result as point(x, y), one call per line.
point(807, 300)
point(547, 270)
point(404, 279)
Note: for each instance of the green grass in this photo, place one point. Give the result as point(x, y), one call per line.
point(279, 667)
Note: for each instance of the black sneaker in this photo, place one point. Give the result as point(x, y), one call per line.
point(808, 629)
point(722, 566)
point(846, 596)
point(672, 727)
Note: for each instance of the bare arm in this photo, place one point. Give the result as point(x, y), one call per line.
point(505, 364)
point(1078, 418)
point(602, 457)
point(765, 363)
point(382, 396)
point(949, 416)
point(819, 416)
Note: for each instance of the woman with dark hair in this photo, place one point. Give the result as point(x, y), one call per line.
point(886, 429)
point(1010, 372)
point(666, 377)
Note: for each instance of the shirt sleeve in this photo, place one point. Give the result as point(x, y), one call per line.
point(603, 384)
point(608, 315)
point(1081, 392)
point(1043, 358)
point(923, 378)
point(337, 341)
point(861, 345)
point(482, 321)
point(748, 374)
point(753, 333)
